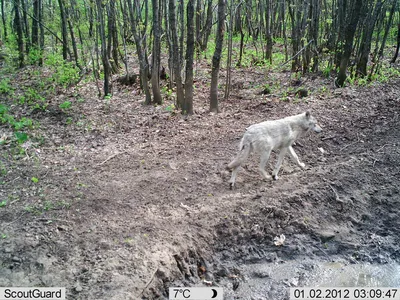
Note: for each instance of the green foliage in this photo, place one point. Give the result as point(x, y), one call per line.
point(3, 109)
point(33, 97)
point(6, 118)
point(65, 73)
point(327, 70)
point(21, 137)
point(3, 203)
point(34, 56)
point(166, 91)
point(3, 169)
point(170, 107)
point(35, 180)
point(5, 87)
point(65, 105)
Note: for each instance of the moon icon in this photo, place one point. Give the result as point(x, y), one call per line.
point(215, 293)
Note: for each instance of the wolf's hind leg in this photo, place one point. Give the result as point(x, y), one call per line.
point(263, 162)
point(279, 163)
point(237, 162)
point(233, 177)
point(295, 158)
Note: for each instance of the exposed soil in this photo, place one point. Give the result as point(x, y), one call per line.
point(132, 199)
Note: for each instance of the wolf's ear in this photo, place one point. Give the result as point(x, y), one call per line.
point(308, 114)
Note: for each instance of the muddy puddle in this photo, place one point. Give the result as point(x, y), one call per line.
point(273, 280)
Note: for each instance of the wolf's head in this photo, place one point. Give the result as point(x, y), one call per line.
point(311, 123)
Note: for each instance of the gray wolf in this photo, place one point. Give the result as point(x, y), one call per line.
point(264, 137)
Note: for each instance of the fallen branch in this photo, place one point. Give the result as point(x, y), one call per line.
point(148, 283)
point(328, 137)
point(111, 157)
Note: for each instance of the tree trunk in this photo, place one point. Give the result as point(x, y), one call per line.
point(63, 30)
point(112, 40)
point(387, 29)
point(41, 32)
point(188, 103)
point(314, 32)
point(365, 46)
point(25, 26)
point(35, 24)
point(155, 74)
point(181, 31)
point(20, 39)
point(72, 34)
point(268, 34)
point(205, 33)
point(198, 22)
point(230, 45)
point(140, 52)
point(217, 57)
point(104, 56)
point(396, 53)
point(351, 27)
point(169, 43)
point(3, 19)
point(175, 54)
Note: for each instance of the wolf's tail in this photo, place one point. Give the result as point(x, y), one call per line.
point(241, 157)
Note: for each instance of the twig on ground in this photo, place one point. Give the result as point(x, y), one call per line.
point(322, 250)
point(8, 224)
point(54, 220)
point(328, 137)
point(111, 157)
point(348, 145)
point(149, 282)
point(381, 147)
point(337, 198)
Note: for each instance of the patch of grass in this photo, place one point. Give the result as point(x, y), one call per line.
point(5, 87)
point(65, 73)
point(65, 105)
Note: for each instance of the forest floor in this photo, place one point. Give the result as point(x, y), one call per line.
point(122, 200)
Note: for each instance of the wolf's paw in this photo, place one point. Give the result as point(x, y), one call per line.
point(303, 165)
point(275, 177)
point(231, 185)
point(267, 176)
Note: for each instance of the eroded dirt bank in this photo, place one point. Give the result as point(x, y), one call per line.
point(133, 199)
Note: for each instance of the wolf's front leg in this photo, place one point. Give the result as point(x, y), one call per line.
point(279, 163)
point(263, 162)
point(295, 158)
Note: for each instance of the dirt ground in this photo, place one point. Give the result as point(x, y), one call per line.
point(131, 200)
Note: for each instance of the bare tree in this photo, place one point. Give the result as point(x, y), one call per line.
point(217, 57)
point(155, 74)
point(18, 27)
point(354, 15)
point(140, 48)
point(396, 52)
point(104, 56)
point(188, 103)
point(175, 54)
point(365, 45)
point(3, 19)
point(64, 32)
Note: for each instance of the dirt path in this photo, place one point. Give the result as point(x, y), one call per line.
point(133, 199)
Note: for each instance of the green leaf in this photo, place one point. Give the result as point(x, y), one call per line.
point(3, 203)
point(35, 180)
point(66, 105)
point(21, 137)
point(3, 109)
